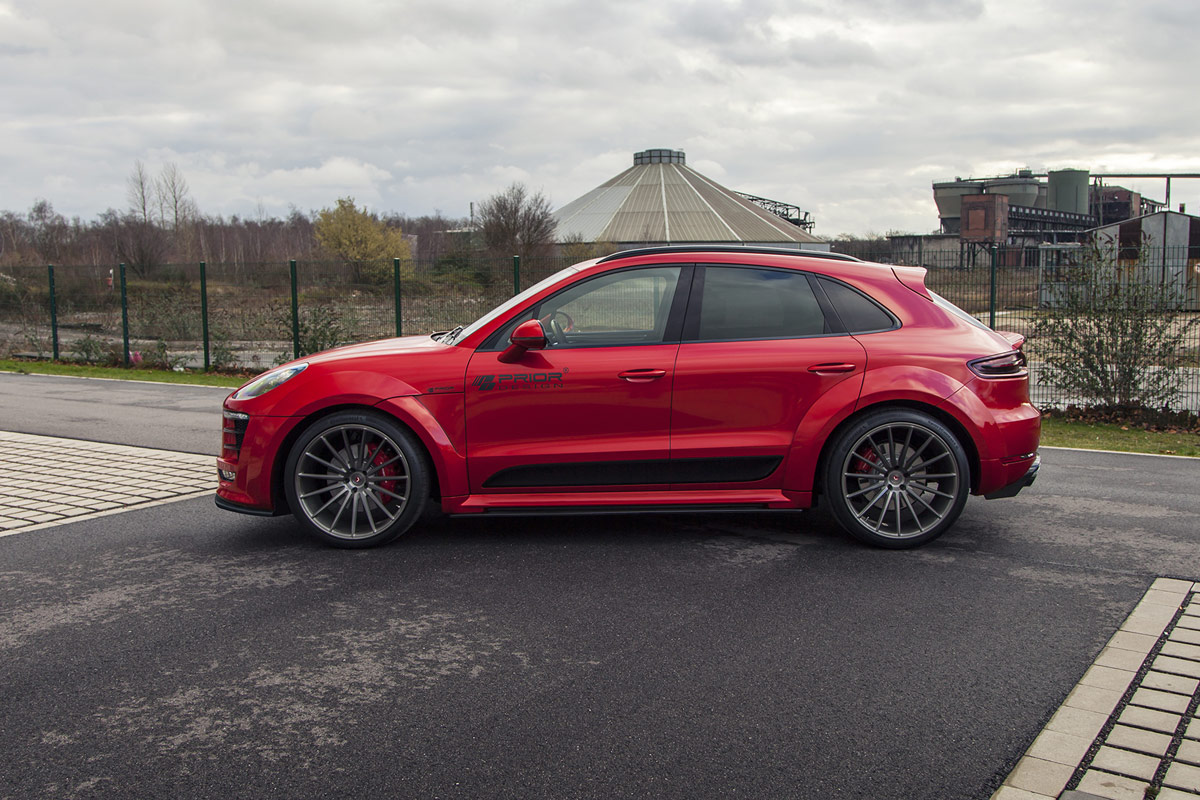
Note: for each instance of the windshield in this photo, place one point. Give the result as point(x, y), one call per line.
point(461, 333)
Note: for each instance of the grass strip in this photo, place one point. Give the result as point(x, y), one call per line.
point(1058, 432)
point(119, 373)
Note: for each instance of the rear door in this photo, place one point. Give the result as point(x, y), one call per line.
point(758, 352)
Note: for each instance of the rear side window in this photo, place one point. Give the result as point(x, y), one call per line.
point(859, 313)
point(749, 303)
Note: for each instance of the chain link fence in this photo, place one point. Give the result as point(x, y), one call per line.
point(1073, 304)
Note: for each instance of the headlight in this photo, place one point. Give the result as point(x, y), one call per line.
point(268, 381)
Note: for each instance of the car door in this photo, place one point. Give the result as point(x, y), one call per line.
point(592, 409)
point(758, 352)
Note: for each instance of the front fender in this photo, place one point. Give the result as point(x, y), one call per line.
point(446, 444)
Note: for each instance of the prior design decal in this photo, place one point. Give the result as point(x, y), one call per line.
point(519, 380)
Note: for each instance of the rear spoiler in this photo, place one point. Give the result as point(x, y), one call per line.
point(913, 278)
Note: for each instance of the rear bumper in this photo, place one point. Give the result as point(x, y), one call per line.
point(1025, 480)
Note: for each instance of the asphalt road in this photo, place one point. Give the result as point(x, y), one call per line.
point(188, 652)
point(162, 415)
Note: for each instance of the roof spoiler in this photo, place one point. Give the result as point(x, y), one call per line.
point(913, 278)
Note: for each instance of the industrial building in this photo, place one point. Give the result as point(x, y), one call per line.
point(661, 200)
point(1034, 216)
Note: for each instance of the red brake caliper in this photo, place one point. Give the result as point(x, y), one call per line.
point(381, 458)
point(861, 465)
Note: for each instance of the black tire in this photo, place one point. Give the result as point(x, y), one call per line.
point(879, 483)
point(356, 479)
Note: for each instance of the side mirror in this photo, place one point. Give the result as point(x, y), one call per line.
point(529, 335)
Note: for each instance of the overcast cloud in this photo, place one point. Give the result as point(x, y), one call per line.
point(847, 109)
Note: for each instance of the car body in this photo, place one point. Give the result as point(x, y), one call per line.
point(664, 378)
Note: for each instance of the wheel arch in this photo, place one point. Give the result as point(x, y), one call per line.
point(941, 415)
point(278, 492)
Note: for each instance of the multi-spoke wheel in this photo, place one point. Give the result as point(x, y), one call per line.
point(897, 478)
point(356, 479)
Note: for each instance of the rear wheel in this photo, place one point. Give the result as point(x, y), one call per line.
point(356, 479)
point(897, 478)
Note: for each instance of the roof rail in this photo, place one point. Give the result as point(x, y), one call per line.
point(708, 248)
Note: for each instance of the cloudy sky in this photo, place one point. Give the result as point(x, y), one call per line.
point(847, 109)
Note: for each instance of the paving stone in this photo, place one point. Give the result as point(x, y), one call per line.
point(1125, 762)
point(1115, 658)
point(1170, 683)
point(1107, 678)
point(1191, 623)
point(1092, 698)
point(1185, 635)
point(1115, 787)
point(1174, 794)
point(1149, 718)
point(1193, 729)
point(1138, 642)
point(1143, 741)
point(1077, 722)
point(1061, 748)
point(1163, 597)
point(1037, 775)
point(1173, 585)
point(1183, 776)
point(1189, 751)
point(1177, 666)
point(1149, 619)
point(1013, 793)
point(1163, 701)
point(1188, 651)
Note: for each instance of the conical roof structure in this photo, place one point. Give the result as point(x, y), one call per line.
point(661, 200)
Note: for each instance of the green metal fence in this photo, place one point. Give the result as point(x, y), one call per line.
point(251, 316)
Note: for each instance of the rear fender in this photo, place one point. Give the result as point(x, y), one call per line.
point(822, 419)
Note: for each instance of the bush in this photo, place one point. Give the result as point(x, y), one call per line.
point(1116, 335)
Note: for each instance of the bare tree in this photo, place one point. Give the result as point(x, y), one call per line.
point(176, 207)
point(141, 193)
point(515, 222)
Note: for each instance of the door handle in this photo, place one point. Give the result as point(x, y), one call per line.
point(641, 375)
point(830, 369)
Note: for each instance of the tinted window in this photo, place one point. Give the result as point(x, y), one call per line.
point(859, 313)
point(747, 303)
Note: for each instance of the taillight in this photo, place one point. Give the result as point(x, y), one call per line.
point(1005, 365)
point(233, 431)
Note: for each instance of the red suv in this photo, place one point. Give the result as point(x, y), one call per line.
point(669, 378)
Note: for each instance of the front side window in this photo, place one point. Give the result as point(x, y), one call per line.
point(619, 308)
point(750, 303)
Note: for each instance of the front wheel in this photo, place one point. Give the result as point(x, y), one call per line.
point(897, 478)
point(356, 479)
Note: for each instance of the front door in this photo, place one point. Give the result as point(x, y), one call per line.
point(592, 410)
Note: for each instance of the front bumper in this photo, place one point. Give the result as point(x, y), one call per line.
point(1016, 486)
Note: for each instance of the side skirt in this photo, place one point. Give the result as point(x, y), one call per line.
point(626, 501)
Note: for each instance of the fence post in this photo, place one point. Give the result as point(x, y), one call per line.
point(204, 311)
point(53, 314)
point(295, 312)
point(516, 275)
point(992, 303)
point(124, 319)
point(396, 288)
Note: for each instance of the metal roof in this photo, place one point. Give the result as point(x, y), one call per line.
point(661, 199)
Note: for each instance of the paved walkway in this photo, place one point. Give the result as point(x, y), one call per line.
point(46, 480)
point(1129, 729)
